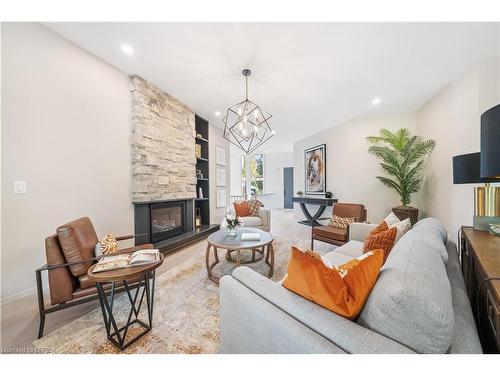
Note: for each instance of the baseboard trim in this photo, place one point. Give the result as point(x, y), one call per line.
point(22, 294)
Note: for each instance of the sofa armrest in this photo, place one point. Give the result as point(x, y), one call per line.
point(359, 231)
point(265, 216)
point(345, 334)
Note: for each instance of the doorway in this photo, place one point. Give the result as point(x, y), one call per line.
point(288, 187)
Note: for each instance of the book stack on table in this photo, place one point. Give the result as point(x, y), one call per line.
point(250, 236)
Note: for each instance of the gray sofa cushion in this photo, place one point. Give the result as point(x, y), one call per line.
point(433, 235)
point(343, 333)
point(411, 301)
point(352, 248)
point(336, 259)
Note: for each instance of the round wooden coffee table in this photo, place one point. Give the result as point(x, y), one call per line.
point(140, 278)
point(234, 244)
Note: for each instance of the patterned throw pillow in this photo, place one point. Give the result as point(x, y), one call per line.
point(402, 226)
point(343, 289)
point(341, 222)
point(253, 206)
point(382, 237)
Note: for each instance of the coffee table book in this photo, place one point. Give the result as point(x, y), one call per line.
point(137, 258)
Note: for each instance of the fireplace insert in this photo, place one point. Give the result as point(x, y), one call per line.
point(168, 219)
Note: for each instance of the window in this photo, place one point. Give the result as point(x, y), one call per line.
point(256, 174)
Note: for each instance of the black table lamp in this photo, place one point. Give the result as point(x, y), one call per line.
point(483, 167)
point(467, 170)
point(490, 143)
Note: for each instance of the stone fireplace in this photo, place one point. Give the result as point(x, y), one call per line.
point(163, 132)
point(162, 145)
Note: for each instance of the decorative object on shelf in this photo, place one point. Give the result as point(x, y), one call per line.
point(403, 158)
point(109, 244)
point(495, 229)
point(246, 125)
point(199, 174)
point(328, 194)
point(197, 220)
point(220, 156)
point(197, 150)
point(221, 198)
point(221, 177)
point(467, 170)
point(232, 225)
point(315, 169)
point(300, 193)
point(200, 193)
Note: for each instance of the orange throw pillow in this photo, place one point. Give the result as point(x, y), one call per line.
point(343, 289)
point(242, 209)
point(381, 238)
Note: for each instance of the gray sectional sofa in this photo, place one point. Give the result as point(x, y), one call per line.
point(418, 305)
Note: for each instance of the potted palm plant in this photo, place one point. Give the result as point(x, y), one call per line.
point(402, 157)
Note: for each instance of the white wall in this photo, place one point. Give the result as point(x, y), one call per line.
point(65, 130)
point(350, 171)
point(235, 167)
point(216, 139)
point(452, 118)
point(273, 177)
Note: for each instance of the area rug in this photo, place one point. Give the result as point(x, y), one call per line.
point(186, 312)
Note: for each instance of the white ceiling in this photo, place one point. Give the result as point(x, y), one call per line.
point(308, 76)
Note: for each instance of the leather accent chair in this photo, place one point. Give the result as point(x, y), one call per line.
point(70, 253)
point(336, 236)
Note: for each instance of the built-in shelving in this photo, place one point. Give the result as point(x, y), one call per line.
point(202, 164)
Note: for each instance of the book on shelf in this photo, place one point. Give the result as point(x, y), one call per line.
point(250, 236)
point(137, 258)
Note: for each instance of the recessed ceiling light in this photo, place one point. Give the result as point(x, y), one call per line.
point(376, 101)
point(127, 50)
point(266, 151)
point(217, 113)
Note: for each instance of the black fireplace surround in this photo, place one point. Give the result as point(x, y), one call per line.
point(161, 222)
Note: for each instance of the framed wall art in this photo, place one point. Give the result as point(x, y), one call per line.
point(315, 170)
point(220, 156)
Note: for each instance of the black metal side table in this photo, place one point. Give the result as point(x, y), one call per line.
point(138, 282)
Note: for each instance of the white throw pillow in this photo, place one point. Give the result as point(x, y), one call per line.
point(402, 227)
point(391, 219)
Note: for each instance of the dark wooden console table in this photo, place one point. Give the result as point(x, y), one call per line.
point(480, 259)
point(323, 203)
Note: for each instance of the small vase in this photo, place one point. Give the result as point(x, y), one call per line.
point(232, 232)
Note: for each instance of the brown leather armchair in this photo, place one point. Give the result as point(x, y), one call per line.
point(336, 236)
point(70, 253)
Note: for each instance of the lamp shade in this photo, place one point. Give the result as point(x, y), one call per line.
point(490, 143)
point(466, 169)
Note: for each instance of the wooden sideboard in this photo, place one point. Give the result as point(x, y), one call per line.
point(480, 260)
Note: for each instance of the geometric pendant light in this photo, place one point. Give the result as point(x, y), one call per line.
point(246, 125)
